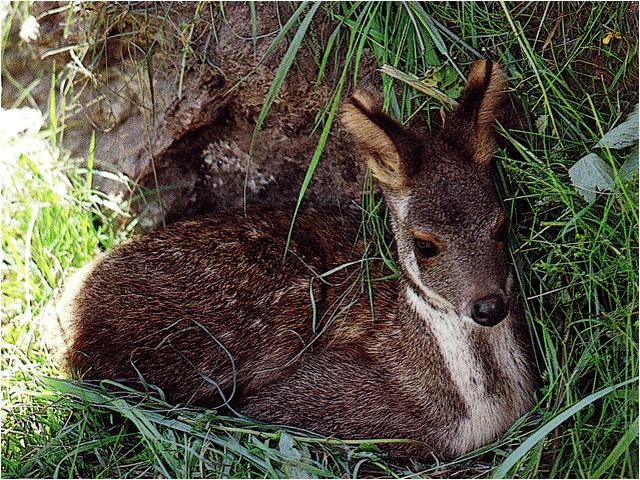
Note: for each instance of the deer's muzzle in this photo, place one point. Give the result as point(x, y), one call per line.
point(490, 310)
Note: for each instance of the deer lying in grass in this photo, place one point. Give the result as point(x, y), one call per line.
point(208, 311)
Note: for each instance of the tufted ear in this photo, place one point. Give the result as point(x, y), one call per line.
point(471, 125)
point(377, 136)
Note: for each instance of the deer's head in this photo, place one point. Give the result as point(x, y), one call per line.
point(448, 223)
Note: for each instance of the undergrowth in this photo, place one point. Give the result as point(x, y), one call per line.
point(576, 261)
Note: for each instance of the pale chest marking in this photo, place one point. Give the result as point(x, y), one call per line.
point(453, 336)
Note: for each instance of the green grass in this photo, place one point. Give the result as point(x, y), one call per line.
point(576, 262)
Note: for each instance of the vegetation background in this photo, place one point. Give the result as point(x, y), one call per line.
point(573, 73)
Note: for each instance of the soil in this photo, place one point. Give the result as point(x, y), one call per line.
point(181, 126)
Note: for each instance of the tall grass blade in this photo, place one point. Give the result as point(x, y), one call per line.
point(353, 47)
point(90, 160)
point(502, 471)
point(276, 41)
point(630, 436)
point(278, 80)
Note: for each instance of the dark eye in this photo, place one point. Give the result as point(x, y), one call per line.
point(425, 248)
point(501, 233)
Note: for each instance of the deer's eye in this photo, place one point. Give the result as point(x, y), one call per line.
point(501, 233)
point(426, 248)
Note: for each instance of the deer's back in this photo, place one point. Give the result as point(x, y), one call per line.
point(207, 304)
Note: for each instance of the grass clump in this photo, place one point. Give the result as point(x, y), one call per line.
point(51, 223)
point(576, 261)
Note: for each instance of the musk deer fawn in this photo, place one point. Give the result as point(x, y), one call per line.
point(210, 311)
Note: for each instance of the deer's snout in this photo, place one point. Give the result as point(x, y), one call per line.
point(490, 310)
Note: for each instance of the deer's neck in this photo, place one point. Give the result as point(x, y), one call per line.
point(488, 367)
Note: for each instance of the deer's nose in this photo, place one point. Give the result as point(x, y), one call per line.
point(490, 310)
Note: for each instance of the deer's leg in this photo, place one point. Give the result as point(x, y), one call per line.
point(346, 394)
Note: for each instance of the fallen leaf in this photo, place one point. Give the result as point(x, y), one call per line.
point(541, 123)
point(610, 35)
point(623, 135)
point(630, 166)
point(591, 174)
point(294, 457)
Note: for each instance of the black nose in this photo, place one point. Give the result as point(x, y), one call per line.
point(490, 311)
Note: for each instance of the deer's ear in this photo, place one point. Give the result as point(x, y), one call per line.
point(377, 136)
point(471, 125)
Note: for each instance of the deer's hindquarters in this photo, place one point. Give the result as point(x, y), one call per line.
point(205, 310)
